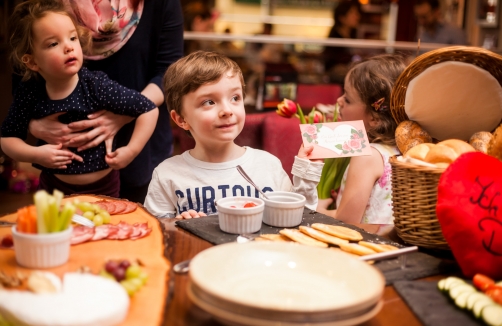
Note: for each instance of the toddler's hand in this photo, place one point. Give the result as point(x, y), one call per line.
point(54, 157)
point(304, 152)
point(120, 158)
point(190, 214)
point(322, 207)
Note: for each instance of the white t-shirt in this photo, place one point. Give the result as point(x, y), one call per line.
point(182, 182)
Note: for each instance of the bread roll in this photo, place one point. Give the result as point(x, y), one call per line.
point(495, 144)
point(480, 141)
point(459, 146)
point(420, 151)
point(410, 131)
point(441, 154)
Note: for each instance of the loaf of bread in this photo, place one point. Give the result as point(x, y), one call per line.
point(440, 154)
point(495, 144)
point(420, 151)
point(409, 134)
point(480, 141)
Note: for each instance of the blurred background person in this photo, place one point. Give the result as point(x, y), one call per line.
point(347, 15)
point(199, 17)
point(432, 28)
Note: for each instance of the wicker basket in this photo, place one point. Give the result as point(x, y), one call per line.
point(414, 188)
point(414, 198)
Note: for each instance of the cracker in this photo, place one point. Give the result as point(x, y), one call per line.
point(324, 237)
point(371, 262)
point(378, 247)
point(275, 237)
point(357, 249)
point(302, 238)
point(338, 231)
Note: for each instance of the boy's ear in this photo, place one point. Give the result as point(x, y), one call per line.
point(29, 61)
point(178, 119)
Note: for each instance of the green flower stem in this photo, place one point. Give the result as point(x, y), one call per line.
point(300, 114)
point(332, 174)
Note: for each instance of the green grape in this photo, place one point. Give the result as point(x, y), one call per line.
point(104, 273)
point(106, 216)
point(129, 287)
point(98, 220)
point(136, 282)
point(89, 215)
point(95, 208)
point(143, 276)
point(85, 206)
point(133, 271)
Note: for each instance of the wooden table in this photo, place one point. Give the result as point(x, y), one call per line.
point(181, 311)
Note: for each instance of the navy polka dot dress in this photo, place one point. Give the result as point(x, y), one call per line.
point(94, 92)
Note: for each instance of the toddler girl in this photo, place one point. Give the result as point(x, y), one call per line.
point(47, 50)
point(365, 191)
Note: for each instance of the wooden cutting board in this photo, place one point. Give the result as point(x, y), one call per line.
point(148, 304)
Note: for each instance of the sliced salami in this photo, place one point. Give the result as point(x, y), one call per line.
point(101, 232)
point(120, 206)
point(131, 207)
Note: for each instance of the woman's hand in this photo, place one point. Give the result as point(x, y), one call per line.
point(190, 214)
point(51, 130)
point(54, 157)
point(105, 126)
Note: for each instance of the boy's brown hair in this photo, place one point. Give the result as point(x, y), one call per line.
point(194, 70)
point(20, 29)
point(373, 79)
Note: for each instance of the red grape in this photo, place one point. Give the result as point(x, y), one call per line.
point(111, 266)
point(119, 274)
point(124, 264)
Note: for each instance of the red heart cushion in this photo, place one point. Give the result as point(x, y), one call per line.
point(469, 210)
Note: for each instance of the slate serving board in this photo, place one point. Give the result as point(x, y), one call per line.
point(418, 264)
point(432, 307)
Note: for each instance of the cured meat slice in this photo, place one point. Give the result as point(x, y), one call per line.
point(111, 207)
point(131, 207)
point(136, 231)
point(101, 232)
point(120, 206)
point(125, 230)
point(81, 234)
point(113, 232)
point(144, 230)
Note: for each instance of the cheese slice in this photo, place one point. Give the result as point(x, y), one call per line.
point(84, 299)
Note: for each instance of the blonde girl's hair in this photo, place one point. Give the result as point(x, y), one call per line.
point(20, 28)
point(373, 79)
point(191, 72)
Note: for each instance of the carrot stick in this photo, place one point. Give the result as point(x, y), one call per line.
point(21, 220)
point(32, 218)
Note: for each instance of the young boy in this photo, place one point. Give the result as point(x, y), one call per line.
point(204, 92)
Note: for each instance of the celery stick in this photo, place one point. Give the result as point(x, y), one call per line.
point(66, 215)
point(40, 199)
point(58, 195)
point(52, 214)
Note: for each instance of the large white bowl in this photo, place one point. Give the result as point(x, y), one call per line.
point(283, 209)
point(41, 250)
point(237, 219)
point(295, 282)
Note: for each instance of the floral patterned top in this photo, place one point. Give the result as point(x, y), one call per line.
point(379, 206)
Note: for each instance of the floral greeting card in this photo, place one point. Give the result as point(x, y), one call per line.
point(336, 139)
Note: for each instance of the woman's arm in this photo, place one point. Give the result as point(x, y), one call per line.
point(145, 125)
point(362, 174)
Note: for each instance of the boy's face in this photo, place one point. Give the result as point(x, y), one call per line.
point(57, 54)
point(214, 113)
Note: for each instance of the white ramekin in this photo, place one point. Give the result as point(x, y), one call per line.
point(42, 250)
point(283, 209)
point(240, 220)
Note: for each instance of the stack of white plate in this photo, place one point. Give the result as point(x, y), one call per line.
point(268, 283)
